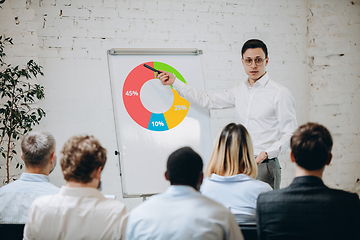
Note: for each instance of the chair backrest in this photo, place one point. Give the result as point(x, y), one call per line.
point(249, 231)
point(12, 231)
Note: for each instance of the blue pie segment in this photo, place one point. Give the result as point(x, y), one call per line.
point(157, 122)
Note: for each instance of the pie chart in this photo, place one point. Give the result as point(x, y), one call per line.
point(135, 108)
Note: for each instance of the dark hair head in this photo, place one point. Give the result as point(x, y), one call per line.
point(81, 155)
point(36, 148)
point(254, 43)
point(311, 146)
point(184, 167)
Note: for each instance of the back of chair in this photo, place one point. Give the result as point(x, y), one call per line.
point(12, 231)
point(249, 231)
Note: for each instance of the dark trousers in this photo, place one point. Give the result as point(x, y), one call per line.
point(269, 171)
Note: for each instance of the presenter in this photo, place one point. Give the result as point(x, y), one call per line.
point(263, 106)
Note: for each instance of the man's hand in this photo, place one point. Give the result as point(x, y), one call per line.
point(166, 78)
point(262, 156)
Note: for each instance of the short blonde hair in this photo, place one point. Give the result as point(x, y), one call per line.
point(233, 153)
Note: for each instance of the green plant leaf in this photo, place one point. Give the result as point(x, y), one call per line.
point(17, 115)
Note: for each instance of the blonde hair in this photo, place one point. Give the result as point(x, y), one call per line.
point(233, 153)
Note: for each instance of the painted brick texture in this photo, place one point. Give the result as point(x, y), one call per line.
point(334, 78)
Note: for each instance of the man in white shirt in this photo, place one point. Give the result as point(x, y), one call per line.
point(79, 210)
point(38, 153)
point(182, 212)
point(263, 106)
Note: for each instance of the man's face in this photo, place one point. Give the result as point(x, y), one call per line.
point(254, 70)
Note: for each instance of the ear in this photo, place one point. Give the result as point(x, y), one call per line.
point(199, 182)
point(98, 172)
point(52, 158)
point(292, 157)
point(166, 176)
point(266, 61)
point(242, 61)
point(22, 157)
point(329, 160)
point(201, 178)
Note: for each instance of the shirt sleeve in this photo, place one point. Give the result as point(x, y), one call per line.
point(129, 228)
point(234, 231)
point(225, 99)
point(124, 224)
point(28, 234)
point(261, 235)
point(285, 112)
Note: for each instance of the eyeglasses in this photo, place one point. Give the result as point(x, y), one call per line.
point(258, 61)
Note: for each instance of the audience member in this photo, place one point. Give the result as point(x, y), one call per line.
point(308, 209)
point(231, 174)
point(38, 153)
point(79, 210)
point(182, 212)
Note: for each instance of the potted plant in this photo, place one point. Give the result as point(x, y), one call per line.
point(17, 97)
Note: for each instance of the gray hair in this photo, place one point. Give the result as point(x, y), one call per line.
point(37, 148)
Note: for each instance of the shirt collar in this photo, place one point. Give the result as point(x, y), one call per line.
point(80, 192)
point(308, 180)
point(262, 81)
point(235, 178)
point(180, 190)
point(32, 177)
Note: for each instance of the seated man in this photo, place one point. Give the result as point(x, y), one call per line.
point(308, 209)
point(182, 212)
point(38, 153)
point(79, 210)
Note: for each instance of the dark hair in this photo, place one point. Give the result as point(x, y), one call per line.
point(184, 167)
point(36, 148)
point(81, 155)
point(311, 146)
point(254, 43)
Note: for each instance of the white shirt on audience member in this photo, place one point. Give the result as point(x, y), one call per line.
point(238, 193)
point(76, 213)
point(181, 213)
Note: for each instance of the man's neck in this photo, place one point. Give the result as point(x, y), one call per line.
point(300, 172)
point(73, 184)
point(253, 81)
point(36, 171)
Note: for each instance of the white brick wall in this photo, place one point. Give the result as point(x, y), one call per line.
point(70, 38)
point(333, 52)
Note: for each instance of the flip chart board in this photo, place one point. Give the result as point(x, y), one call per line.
point(153, 120)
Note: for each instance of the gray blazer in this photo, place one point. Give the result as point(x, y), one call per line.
point(308, 209)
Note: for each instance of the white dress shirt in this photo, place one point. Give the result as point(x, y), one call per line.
point(16, 197)
point(238, 193)
point(266, 110)
point(181, 213)
point(76, 213)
